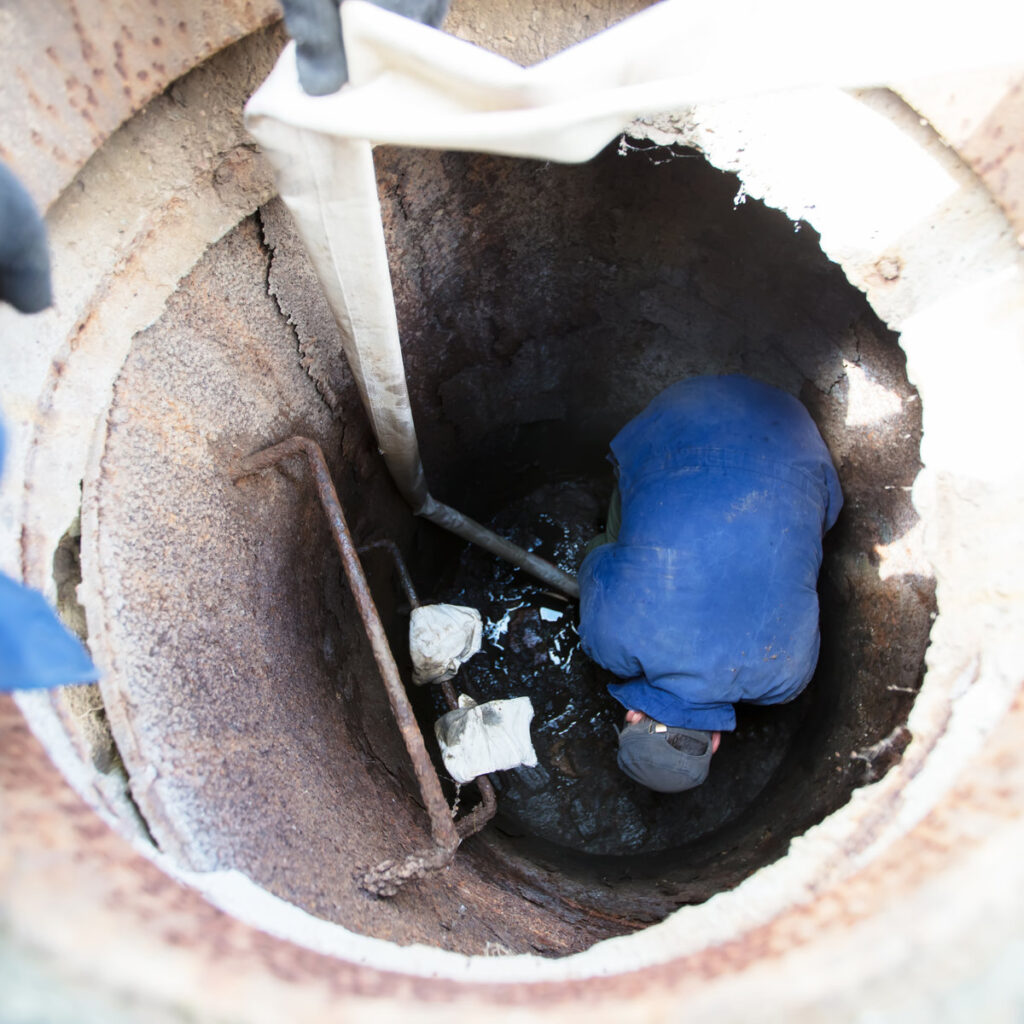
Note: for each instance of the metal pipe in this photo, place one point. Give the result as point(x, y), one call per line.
point(469, 529)
point(400, 568)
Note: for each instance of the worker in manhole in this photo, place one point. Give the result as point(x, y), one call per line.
point(702, 592)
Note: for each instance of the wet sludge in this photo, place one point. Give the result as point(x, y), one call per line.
point(576, 797)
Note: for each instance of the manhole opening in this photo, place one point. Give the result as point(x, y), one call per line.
point(540, 307)
point(559, 300)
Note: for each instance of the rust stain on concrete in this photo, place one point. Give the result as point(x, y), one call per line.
point(90, 65)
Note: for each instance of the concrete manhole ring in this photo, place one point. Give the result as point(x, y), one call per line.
point(908, 224)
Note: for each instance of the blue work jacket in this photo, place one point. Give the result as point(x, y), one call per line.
point(709, 594)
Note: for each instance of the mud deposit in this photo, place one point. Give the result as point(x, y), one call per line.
point(576, 797)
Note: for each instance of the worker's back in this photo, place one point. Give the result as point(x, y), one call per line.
point(708, 596)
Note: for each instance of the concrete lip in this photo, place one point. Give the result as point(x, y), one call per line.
point(908, 225)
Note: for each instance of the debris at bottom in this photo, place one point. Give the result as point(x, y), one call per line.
point(441, 638)
point(390, 875)
point(477, 739)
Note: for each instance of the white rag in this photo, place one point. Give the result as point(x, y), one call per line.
point(441, 638)
point(479, 738)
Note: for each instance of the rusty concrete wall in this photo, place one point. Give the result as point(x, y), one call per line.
point(87, 916)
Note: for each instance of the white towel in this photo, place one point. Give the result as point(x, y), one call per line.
point(481, 738)
point(441, 638)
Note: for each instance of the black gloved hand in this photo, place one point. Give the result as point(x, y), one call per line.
point(315, 25)
point(24, 255)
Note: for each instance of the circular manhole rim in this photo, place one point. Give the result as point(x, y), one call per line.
point(878, 815)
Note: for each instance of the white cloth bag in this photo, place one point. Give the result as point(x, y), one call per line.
point(481, 738)
point(441, 638)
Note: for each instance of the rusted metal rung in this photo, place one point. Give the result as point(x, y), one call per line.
point(385, 879)
point(483, 812)
point(400, 568)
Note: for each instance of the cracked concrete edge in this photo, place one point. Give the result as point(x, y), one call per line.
point(292, 282)
point(1000, 677)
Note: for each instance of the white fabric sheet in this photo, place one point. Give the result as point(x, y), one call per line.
point(481, 738)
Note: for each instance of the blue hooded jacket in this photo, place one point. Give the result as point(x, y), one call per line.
point(709, 594)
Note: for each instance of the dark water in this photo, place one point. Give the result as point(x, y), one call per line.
point(576, 797)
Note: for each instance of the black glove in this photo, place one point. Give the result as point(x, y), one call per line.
point(315, 25)
point(24, 256)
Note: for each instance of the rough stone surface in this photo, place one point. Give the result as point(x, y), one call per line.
point(535, 30)
point(140, 215)
point(80, 70)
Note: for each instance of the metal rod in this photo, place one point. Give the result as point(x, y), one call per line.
point(400, 568)
point(442, 827)
point(469, 529)
point(387, 877)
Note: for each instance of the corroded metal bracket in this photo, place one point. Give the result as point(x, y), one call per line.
point(387, 877)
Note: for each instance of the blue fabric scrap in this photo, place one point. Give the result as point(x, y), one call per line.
point(36, 650)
